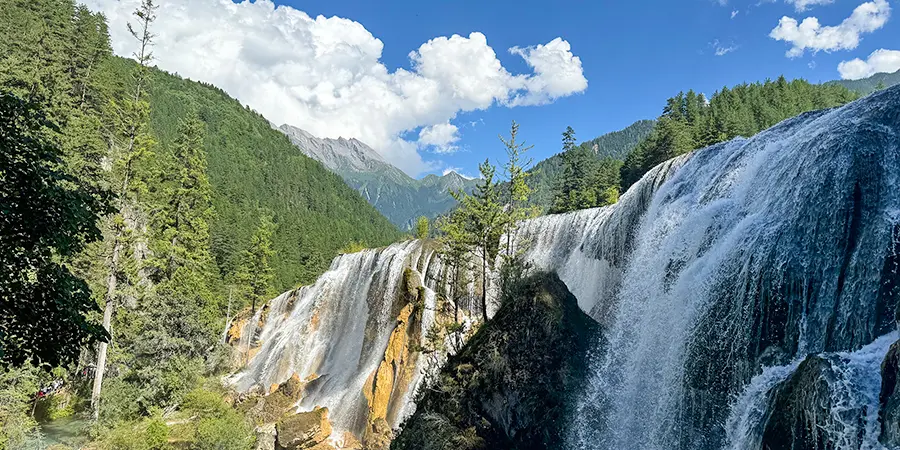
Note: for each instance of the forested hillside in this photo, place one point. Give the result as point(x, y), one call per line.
point(869, 85)
point(690, 121)
point(141, 211)
point(545, 175)
point(255, 170)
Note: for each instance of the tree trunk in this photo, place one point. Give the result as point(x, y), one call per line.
point(111, 286)
point(484, 283)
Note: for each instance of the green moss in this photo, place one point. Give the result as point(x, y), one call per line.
point(514, 383)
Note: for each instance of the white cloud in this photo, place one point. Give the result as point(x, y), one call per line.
point(325, 75)
point(557, 73)
point(722, 50)
point(880, 61)
point(441, 137)
point(803, 5)
point(810, 34)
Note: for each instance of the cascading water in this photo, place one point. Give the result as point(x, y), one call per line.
point(335, 332)
point(752, 254)
point(715, 277)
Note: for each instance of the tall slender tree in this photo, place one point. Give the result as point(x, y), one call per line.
point(484, 220)
point(255, 275)
point(133, 143)
point(518, 191)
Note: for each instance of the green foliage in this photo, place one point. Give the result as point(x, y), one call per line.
point(586, 182)
point(517, 190)
point(220, 427)
point(690, 122)
point(255, 171)
point(48, 216)
point(255, 274)
point(546, 176)
point(422, 228)
point(17, 388)
point(228, 432)
point(147, 434)
point(481, 222)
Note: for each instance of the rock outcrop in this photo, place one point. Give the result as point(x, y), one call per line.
point(513, 385)
point(890, 398)
point(309, 430)
point(800, 409)
point(386, 386)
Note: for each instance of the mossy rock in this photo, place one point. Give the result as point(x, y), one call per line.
point(304, 430)
point(515, 383)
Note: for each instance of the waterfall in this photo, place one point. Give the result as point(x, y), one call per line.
point(721, 279)
point(750, 255)
point(335, 332)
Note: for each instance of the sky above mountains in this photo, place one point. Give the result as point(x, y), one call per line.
point(430, 85)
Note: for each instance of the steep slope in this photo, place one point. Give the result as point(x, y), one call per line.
point(615, 145)
point(514, 384)
point(867, 86)
point(395, 194)
point(254, 170)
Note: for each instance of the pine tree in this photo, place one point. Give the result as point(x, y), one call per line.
point(255, 274)
point(133, 144)
point(422, 228)
point(484, 225)
point(456, 247)
point(518, 191)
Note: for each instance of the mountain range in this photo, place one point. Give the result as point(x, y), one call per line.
point(399, 197)
point(403, 199)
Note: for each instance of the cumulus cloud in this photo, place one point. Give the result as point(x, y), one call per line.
point(880, 61)
point(557, 73)
point(811, 35)
point(325, 75)
point(441, 137)
point(803, 5)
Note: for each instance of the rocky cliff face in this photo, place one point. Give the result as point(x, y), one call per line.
point(401, 198)
point(512, 385)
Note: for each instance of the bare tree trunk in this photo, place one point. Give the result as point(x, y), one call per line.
point(227, 317)
point(111, 286)
point(484, 283)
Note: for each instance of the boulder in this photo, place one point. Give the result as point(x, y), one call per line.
point(304, 431)
point(801, 409)
point(515, 383)
point(890, 398)
point(265, 437)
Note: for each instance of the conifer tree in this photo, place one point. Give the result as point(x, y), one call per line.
point(255, 274)
point(422, 228)
point(132, 145)
point(518, 191)
point(456, 247)
point(484, 225)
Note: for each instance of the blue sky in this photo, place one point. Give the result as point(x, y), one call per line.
point(634, 54)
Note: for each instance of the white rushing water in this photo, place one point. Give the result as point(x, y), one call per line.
point(335, 331)
point(714, 277)
point(742, 249)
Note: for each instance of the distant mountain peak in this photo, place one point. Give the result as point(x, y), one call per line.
point(394, 193)
point(336, 154)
